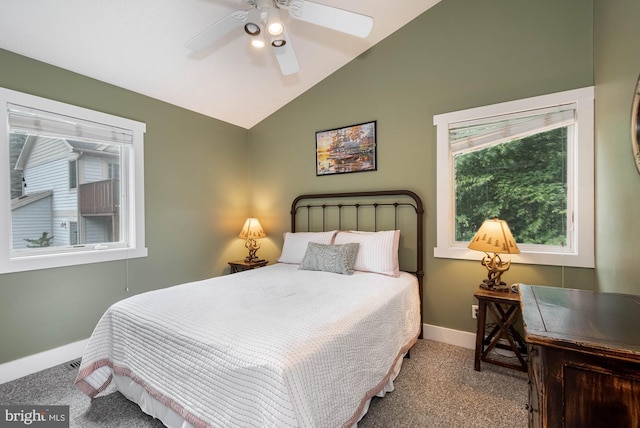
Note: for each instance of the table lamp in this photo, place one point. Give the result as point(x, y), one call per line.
point(251, 231)
point(494, 236)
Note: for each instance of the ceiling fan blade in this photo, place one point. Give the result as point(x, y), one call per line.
point(331, 17)
point(287, 58)
point(217, 30)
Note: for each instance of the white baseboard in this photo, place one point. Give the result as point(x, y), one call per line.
point(47, 359)
point(40, 361)
point(447, 335)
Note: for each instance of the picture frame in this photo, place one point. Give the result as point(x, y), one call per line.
point(348, 149)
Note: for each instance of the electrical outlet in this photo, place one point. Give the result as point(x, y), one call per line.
point(474, 311)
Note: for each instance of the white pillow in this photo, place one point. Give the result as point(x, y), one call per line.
point(295, 244)
point(378, 251)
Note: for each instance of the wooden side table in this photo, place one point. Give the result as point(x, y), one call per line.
point(241, 265)
point(504, 307)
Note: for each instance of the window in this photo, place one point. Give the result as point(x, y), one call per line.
point(114, 170)
point(73, 232)
point(529, 162)
point(73, 175)
point(74, 186)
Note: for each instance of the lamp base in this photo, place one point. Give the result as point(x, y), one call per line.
point(252, 246)
point(253, 259)
point(488, 284)
point(495, 267)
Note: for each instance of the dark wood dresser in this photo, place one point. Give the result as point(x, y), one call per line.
point(584, 357)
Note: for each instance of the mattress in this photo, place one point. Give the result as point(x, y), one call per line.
point(275, 346)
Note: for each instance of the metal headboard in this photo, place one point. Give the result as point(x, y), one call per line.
point(321, 206)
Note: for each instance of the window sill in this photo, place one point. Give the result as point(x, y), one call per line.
point(533, 258)
point(45, 261)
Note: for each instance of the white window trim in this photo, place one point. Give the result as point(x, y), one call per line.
point(137, 246)
point(583, 253)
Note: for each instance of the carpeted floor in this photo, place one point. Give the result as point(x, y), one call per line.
point(437, 387)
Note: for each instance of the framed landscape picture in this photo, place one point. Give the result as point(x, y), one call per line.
point(348, 149)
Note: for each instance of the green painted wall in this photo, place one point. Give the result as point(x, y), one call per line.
point(458, 55)
point(617, 65)
point(196, 201)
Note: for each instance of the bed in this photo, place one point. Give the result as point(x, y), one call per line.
point(304, 342)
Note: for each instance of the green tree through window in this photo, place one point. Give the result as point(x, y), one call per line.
point(523, 181)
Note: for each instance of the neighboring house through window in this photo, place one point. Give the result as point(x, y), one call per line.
point(529, 162)
point(82, 193)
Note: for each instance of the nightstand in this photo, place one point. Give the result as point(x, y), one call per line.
point(241, 265)
point(504, 307)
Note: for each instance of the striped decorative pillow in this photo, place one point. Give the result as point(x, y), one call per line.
point(378, 251)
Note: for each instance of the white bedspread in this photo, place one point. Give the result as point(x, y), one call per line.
point(271, 347)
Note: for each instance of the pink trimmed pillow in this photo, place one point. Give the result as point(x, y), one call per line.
point(378, 251)
point(295, 244)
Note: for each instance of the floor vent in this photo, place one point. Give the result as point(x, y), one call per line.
point(72, 365)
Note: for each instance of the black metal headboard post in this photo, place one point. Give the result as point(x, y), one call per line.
point(353, 196)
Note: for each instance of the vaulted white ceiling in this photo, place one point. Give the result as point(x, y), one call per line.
point(140, 45)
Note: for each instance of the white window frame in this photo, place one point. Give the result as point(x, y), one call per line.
point(135, 247)
point(580, 150)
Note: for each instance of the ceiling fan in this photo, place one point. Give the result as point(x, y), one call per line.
point(263, 21)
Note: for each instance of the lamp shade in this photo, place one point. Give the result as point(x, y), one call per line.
point(252, 229)
point(494, 236)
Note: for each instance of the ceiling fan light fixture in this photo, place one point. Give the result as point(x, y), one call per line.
point(278, 42)
point(258, 42)
point(252, 26)
point(252, 29)
point(274, 24)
